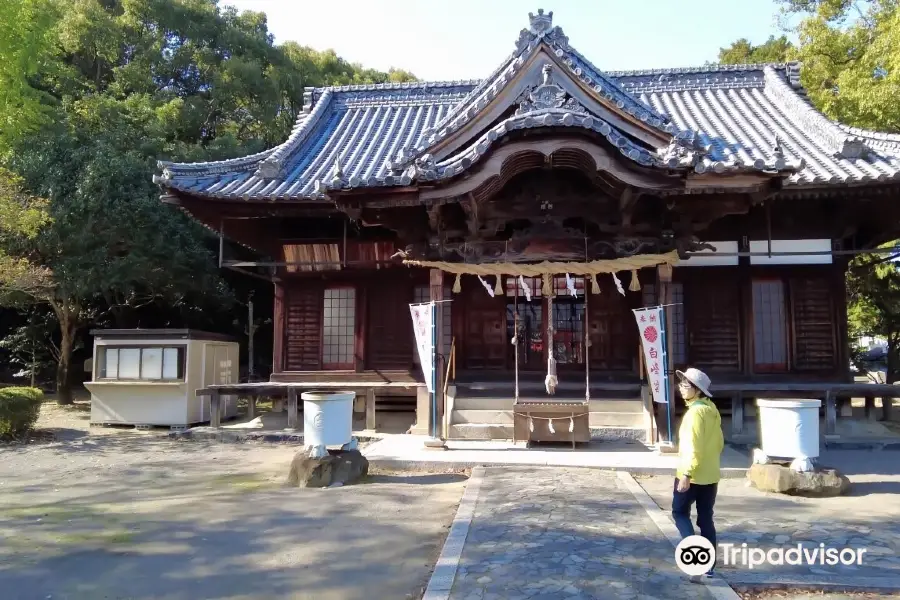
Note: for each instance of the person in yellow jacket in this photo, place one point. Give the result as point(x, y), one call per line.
point(700, 444)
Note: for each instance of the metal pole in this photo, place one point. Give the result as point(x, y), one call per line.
point(251, 330)
point(434, 370)
point(665, 354)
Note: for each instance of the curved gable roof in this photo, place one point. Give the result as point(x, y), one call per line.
point(718, 118)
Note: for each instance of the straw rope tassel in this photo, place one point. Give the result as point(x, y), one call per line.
point(551, 381)
point(595, 286)
point(457, 287)
point(547, 289)
point(635, 282)
point(498, 290)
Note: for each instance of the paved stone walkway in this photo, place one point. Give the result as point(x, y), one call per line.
point(867, 518)
point(565, 534)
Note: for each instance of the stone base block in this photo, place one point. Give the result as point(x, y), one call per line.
point(338, 467)
point(821, 483)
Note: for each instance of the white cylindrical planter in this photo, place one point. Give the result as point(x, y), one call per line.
point(327, 418)
point(789, 428)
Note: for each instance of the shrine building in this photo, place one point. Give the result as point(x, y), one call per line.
point(556, 197)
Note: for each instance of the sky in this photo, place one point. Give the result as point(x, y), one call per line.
point(467, 39)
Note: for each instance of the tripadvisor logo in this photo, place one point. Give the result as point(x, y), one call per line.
point(695, 555)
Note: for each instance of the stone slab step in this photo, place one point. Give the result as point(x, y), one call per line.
point(465, 402)
point(505, 417)
point(475, 431)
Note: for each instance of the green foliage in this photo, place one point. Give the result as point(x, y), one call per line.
point(873, 287)
point(20, 408)
point(773, 50)
point(118, 85)
point(26, 53)
point(850, 53)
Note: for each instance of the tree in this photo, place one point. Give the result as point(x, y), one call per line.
point(128, 82)
point(850, 52)
point(773, 50)
point(26, 51)
point(873, 286)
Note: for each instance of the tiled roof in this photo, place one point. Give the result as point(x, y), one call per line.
point(720, 118)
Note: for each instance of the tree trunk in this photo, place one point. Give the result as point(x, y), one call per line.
point(68, 326)
point(63, 382)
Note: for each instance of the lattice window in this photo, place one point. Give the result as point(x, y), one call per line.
point(339, 328)
point(514, 288)
point(559, 284)
point(568, 334)
point(769, 325)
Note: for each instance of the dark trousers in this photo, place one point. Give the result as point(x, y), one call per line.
point(705, 497)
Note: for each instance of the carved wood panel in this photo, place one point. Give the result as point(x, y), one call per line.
point(485, 328)
point(390, 340)
point(713, 324)
point(303, 335)
point(612, 330)
point(814, 332)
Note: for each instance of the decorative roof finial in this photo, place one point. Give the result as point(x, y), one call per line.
point(545, 72)
point(540, 23)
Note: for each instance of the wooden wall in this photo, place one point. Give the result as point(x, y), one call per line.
point(719, 322)
point(384, 338)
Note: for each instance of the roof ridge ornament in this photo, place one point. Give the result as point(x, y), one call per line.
point(540, 24)
point(269, 169)
point(548, 95)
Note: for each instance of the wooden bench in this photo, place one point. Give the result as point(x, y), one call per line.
point(829, 393)
point(278, 389)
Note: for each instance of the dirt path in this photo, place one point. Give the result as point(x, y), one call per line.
point(115, 514)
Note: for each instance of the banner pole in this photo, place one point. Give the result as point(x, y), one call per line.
point(434, 387)
point(665, 354)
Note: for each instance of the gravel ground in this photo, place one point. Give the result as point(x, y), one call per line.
point(110, 513)
point(811, 595)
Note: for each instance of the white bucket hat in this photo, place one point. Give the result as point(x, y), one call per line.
point(698, 378)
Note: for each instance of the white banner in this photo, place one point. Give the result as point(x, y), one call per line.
point(422, 315)
point(651, 328)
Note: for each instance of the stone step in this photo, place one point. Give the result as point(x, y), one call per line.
point(480, 431)
point(505, 417)
point(475, 431)
point(466, 402)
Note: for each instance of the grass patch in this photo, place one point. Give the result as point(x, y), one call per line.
point(245, 482)
point(96, 538)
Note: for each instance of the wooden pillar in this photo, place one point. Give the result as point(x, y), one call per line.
point(279, 329)
point(251, 406)
point(215, 416)
point(436, 294)
point(737, 414)
point(664, 279)
point(292, 409)
point(370, 409)
point(887, 407)
point(830, 414)
point(870, 408)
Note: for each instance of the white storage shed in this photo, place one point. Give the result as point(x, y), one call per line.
point(151, 376)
